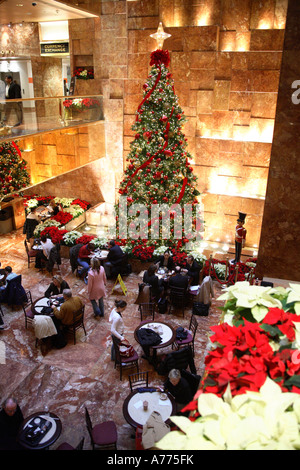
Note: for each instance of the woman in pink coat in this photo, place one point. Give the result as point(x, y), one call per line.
point(96, 287)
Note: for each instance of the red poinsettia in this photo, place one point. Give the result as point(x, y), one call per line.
point(142, 251)
point(282, 320)
point(54, 234)
point(62, 217)
point(80, 202)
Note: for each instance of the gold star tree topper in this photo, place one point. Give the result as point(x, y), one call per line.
point(160, 36)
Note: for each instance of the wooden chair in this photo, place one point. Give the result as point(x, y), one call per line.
point(1, 318)
point(31, 254)
point(27, 308)
point(67, 446)
point(78, 322)
point(124, 362)
point(177, 299)
point(103, 434)
point(147, 310)
point(140, 379)
point(189, 340)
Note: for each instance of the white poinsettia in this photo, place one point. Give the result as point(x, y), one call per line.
point(264, 420)
point(160, 250)
point(257, 298)
point(294, 297)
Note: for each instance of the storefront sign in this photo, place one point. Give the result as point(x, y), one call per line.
point(55, 48)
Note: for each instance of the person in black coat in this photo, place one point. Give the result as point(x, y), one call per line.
point(192, 269)
point(13, 92)
point(179, 280)
point(165, 261)
point(57, 286)
point(11, 417)
point(179, 388)
point(114, 257)
point(152, 279)
point(32, 220)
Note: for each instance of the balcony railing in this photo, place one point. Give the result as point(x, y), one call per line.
point(25, 117)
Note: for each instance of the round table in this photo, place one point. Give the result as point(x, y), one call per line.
point(39, 304)
point(133, 409)
point(40, 418)
point(166, 332)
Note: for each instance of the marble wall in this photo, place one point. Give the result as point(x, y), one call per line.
point(279, 253)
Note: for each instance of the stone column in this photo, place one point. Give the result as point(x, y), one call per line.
point(279, 250)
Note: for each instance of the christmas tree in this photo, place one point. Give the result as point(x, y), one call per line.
point(159, 172)
point(13, 173)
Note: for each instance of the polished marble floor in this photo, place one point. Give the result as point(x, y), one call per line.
point(78, 375)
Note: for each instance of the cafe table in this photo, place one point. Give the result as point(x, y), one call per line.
point(133, 406)
point(99, 254)
point(40, 303)
point(39, 431)
point(165, 331)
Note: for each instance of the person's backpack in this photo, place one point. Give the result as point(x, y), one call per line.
point(162, 305)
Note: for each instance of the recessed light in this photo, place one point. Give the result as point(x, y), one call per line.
point(19, 5)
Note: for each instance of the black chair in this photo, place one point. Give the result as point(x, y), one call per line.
point(74, 251)
point(1, 318)
point(177, 299)
point(190, 339)
point(54, 258)
point(14, 293)
point(140, 379)
point(78, 322)
point(103, 434)
point(67, 446)
point(180, 359)
point(147, 310)
point(31, 254)
point(27, 308)
point(123, 267)
point(124, 362)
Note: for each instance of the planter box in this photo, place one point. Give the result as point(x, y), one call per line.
point(138, 265)
point(75, 223)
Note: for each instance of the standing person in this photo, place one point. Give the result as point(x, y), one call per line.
point(96, 287)
point(240, 237)
point(13, 91)
point(11, 417)
point(117, 327)
point(32, 220)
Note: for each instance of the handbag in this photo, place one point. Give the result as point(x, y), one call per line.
point(200, 308)
point(125, 348)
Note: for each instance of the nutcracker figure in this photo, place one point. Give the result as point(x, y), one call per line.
point(240, 236)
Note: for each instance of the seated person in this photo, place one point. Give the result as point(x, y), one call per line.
point(53, 208)
point(178, 279)
point(193, 270)
point(179, 388)
point(44, 253)
point(152, 279)
point(114, 258)
point(32, 220)
point(9, 273)
point(8, 276)
point(57, 286)
point(84, 258)
point(64, 315)
point(11, 417)
point(165, 261)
